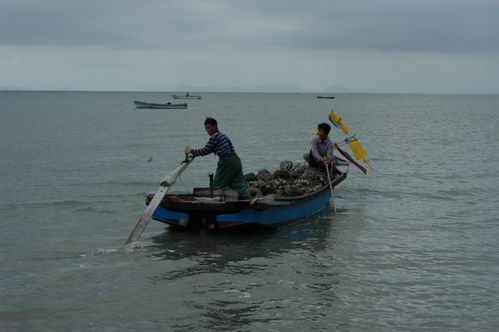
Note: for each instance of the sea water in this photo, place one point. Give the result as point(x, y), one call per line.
point(414, 245)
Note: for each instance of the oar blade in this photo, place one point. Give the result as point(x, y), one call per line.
point(146, 216)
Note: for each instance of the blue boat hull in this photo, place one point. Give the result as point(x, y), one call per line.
point(276, 216)
point(269, 217)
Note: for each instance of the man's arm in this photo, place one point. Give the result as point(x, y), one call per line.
point(207, 149)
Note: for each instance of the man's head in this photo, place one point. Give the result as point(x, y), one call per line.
point(323, 130)
point(211, 126)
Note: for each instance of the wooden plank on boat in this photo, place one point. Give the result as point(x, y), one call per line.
point(226, 193)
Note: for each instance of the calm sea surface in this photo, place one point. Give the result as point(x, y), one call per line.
point(415, 245)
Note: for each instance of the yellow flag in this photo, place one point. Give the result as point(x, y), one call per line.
point(336, 119)
point(357, 149)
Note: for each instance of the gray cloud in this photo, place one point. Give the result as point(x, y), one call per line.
point(365, 45)
point(119, 24)
point(385, 25)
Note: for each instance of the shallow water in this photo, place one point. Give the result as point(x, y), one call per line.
point(413, 247)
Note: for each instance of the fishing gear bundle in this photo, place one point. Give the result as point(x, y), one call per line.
point(359, 152)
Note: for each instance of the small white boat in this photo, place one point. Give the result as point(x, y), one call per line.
point(141, 104)
point(186, 96)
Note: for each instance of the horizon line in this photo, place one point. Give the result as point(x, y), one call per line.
point(282, 92)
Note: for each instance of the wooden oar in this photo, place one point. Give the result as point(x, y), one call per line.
point(167, 182)
point(350, 159)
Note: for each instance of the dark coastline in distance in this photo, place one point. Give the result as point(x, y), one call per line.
point(259, 92)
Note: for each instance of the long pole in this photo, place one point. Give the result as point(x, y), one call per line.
point(331, 188)
point(165, 185)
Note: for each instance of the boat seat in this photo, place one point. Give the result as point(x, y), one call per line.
point(208, 200)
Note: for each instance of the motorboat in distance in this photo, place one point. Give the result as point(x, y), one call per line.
point(141, 104)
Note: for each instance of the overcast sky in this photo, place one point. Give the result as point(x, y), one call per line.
point(435, 46)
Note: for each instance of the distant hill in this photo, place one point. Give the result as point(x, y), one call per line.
point(289, 87)
point(338, 88)
point(14, 88)
point(192, 88)
point(284, 88)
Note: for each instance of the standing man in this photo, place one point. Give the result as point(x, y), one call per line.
point(229, 168)
point(321, 154)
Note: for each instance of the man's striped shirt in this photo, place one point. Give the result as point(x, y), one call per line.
point(218, 143)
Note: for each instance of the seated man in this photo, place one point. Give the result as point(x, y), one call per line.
point(321, 153)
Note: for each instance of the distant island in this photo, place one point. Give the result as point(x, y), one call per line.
point(277, 88)
point(183, 88)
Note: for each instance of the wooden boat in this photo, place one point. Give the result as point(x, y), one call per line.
point(220, 208)
point(325, 97)
point(141, 104)
point(186, 96)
